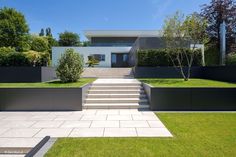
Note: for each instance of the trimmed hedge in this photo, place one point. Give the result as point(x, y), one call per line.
point(160, 57)
point(8, 57)
point(231, 59)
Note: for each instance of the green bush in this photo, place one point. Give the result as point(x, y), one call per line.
point(39, 44)
point(38, 58)
point(16, 59)
point(8, 57)
point(70, 66)
point(231, 59)
point(160, 57)
point(212, 55)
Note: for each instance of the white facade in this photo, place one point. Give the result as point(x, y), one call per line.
point(87, 51)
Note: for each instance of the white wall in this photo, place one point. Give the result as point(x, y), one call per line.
point(87, 51)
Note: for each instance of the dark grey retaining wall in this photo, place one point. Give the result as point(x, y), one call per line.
point(164, 72)
point(26, 74)
point(220, 73)
point(191, 99)
point(42, 99)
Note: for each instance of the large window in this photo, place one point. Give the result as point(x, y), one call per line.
point(99, 57)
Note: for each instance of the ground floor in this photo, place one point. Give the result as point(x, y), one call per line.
point(107, 56)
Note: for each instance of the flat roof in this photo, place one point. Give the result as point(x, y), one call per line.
point(122, 33)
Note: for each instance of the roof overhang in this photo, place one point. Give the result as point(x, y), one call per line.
point(122, 33)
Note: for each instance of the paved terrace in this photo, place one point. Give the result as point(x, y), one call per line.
point(26, 129)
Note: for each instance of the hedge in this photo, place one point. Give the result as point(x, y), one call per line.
point(231, 59)
point(8, 57)
point(160, 57)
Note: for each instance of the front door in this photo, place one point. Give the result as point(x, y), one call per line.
point(119, 59)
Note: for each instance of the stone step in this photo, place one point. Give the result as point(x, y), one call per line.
point(116, 106)
point(116, 91)
point(116, 96)
point(117, 84)
point(115, 100)
point(115, 87)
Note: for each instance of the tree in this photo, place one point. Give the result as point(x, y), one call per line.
point(48, 31)
point(41, 32)
point(179, 33)
point(69, 39)
point(39, 44)
point(215, 13)
point(13, 29)
point(92, 61)
point(70, 66)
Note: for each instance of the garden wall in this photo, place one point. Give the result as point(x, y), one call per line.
point(26, 74)
point(220, 73)
point(191, 99)
point(42, 99)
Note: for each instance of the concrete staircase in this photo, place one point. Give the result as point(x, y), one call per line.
point(108, 72)
point(116, 94)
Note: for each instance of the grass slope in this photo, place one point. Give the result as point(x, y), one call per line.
point(53, 84)
point(195, 134)
point(190, 83)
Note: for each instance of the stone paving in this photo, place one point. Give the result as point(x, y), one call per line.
point(26, 129)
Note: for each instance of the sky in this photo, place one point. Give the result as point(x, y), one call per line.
point(79, 15)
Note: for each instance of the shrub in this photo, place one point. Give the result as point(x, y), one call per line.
point(39, 44)
point(212, 55)
point(231, 59)
point(38, 58)
point(16, 59)
point(160, 57)
point(92, 61)
point(70, 66)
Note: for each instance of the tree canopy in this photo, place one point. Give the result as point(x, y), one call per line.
point(13, 29)
point(69, 39)
point(215, 13)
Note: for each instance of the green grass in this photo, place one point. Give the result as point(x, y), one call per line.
point(53, 84)
point(190, 83)
point(195, 135)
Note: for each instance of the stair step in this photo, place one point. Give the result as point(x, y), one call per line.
point(115, 87)
point(117, 84)
point(115, 91)
point(116, 106)
point(115, 100)
point(116, 96)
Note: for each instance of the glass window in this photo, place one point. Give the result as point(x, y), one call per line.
point(99, 57)
point(125, 57)
point(113, 58)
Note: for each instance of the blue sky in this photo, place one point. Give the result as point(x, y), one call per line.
point(79, 15)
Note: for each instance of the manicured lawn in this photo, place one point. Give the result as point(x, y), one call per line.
point(195, 135)
point(182, 83)
point(53, 84)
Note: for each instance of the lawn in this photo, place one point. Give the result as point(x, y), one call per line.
point(53, 84)
point(195, 134)
point(182, 83)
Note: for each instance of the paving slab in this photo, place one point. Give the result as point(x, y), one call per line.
point(47, 124)
point(120, 132)
point(87, 132)
point(132, 123)
point(26, 129)
point(20, 133)
point(76, 124)
point(58, 132)
point(153, 132)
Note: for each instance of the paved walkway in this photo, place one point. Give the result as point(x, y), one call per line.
point(26, 129)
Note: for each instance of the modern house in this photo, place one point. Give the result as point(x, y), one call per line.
point(116, 48)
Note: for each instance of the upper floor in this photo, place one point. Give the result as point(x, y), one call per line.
point(118, 37)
